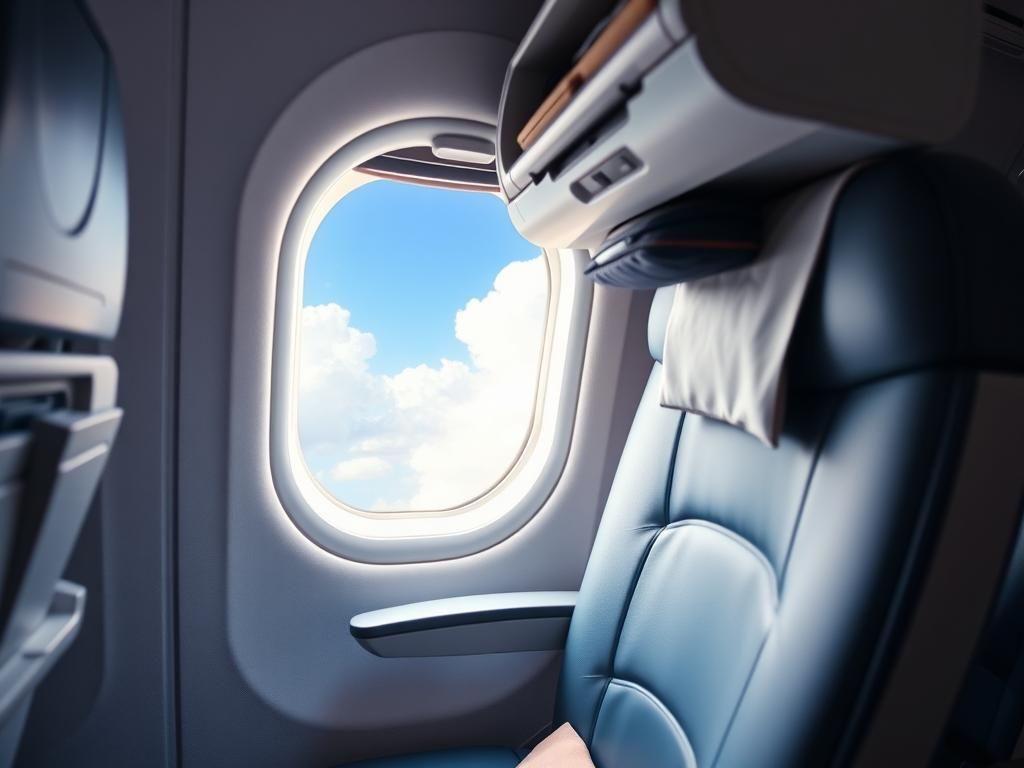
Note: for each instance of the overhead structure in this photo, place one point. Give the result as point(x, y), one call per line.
point(610, 109)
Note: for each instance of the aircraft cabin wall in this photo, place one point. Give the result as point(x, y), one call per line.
point(216, 633)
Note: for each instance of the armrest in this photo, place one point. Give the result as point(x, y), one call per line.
point(463, 626)
point(24, 669)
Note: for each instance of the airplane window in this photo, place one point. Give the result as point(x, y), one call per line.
point(422, 334)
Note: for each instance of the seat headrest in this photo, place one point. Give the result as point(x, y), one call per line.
point(923, 265)
point(657, 321)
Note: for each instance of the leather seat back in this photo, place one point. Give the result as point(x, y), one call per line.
point(748, 606)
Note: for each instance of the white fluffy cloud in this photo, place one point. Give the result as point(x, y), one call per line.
point(427, 437)
point(359, 468)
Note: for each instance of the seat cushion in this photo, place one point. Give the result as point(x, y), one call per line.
point(477, 757)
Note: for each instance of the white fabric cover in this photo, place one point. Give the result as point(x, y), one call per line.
point(727, 335)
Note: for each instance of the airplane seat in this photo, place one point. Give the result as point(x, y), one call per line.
point(63, 254)
point(819, 603)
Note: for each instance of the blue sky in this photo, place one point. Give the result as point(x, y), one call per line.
point(404, 259)
point(383, 423)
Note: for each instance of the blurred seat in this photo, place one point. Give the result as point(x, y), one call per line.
point(63, 252)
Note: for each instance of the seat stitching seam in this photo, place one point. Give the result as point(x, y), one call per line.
point(782, 574)
point(811, 471)
point(618, 633)
point(739, 699)
point(672, 469)
point(636, 579)
point(662, 708)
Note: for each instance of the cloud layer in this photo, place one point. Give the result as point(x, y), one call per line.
point(429, 437)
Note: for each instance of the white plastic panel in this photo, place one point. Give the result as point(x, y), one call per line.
point(729, 134)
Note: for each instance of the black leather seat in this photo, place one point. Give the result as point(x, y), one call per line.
point(746, 606)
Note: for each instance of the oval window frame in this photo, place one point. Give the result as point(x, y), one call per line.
point(402, 537)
